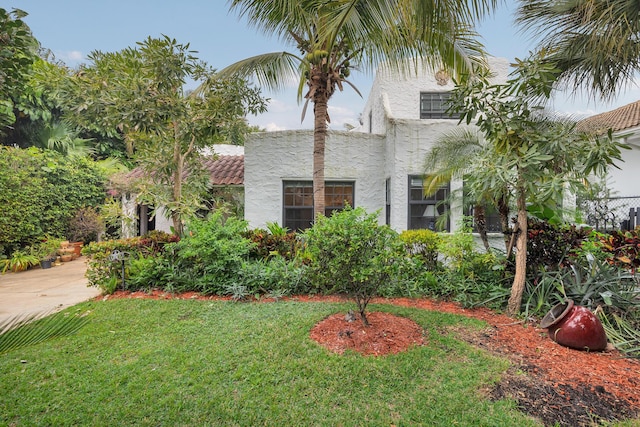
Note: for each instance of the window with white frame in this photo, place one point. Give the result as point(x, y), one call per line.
point(426, 210)
point(298, 201)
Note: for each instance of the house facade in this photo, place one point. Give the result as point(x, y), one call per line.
point(225, 165)
point(619, 206)
point(378, 166)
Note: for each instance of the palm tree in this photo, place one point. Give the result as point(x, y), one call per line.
point(334, 37)
point(463, 152)
point(58, 136)
point(594, 43)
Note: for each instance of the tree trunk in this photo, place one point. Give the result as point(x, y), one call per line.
point(178, 160)
point(503, 211)
point(479, 213)
point(319, 140)
point(517, 289)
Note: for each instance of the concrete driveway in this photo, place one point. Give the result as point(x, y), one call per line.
point(38, 290)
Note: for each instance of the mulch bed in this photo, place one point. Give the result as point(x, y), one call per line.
point(558, 385)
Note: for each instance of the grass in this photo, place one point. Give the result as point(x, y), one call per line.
point(187, 363)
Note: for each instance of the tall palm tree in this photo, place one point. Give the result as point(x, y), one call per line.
point(594, 43)
point(333, 37)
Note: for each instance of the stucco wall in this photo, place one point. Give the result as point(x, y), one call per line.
point(393, 147)
point(407, 144)
point(396, 95)
point(271, 157)
point(624, 181)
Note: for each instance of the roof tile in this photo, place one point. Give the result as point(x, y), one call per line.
point(223, 170)
point(625, 117)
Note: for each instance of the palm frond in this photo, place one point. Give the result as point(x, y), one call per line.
point(594, 43)
point(451, 155)
point(28, 329)
point(277, 17)
point(275, 71)
point(453, 150)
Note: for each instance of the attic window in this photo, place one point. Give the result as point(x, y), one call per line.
point(433, 105)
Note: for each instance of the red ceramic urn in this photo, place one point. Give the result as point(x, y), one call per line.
point(575, 327)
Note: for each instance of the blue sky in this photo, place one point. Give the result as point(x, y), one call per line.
point(74, 28)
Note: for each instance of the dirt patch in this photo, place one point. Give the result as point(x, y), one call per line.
point(386, 334)
point(558, 385)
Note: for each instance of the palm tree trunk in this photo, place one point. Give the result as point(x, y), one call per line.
point(319, 140)
point(519, 279)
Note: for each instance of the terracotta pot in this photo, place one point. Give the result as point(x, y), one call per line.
point(66, 257)
point(575, 326)
point(77, 247)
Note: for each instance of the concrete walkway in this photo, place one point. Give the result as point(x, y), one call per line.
point(42, 290)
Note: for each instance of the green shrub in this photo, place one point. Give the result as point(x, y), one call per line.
point(263, 277)
point(268, 244)
point(20, 260)
point(351, 253)
point(41, 191)
point(412, 278)
point(423, 244)
point(105, 273)
point(213, 251)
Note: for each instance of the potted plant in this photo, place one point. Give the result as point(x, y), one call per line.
point(47, 250)
point(21, 259)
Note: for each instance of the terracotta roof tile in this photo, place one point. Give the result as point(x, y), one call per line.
point(625, 117)
point(224, 170)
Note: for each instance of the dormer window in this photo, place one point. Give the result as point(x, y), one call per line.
point(433, 105)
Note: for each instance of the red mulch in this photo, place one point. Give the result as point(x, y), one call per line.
point(562, 386)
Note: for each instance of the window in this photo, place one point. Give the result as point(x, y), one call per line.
point(492, 219)
point(433, 105)
point(298, 201)
point(426, 209)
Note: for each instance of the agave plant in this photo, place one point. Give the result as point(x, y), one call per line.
point(595, 282)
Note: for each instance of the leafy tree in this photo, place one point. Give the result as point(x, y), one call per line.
point(351, 253)
point(334, 37)
point(594, 43)
point(536, 156)
point(18, 51)
point(139, 93)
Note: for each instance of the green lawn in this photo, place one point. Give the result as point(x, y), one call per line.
point(190, 363)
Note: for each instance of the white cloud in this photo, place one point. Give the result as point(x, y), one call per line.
point(71, 58)
point(272, 127)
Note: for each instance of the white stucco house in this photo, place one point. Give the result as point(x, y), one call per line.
point(378, 166)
